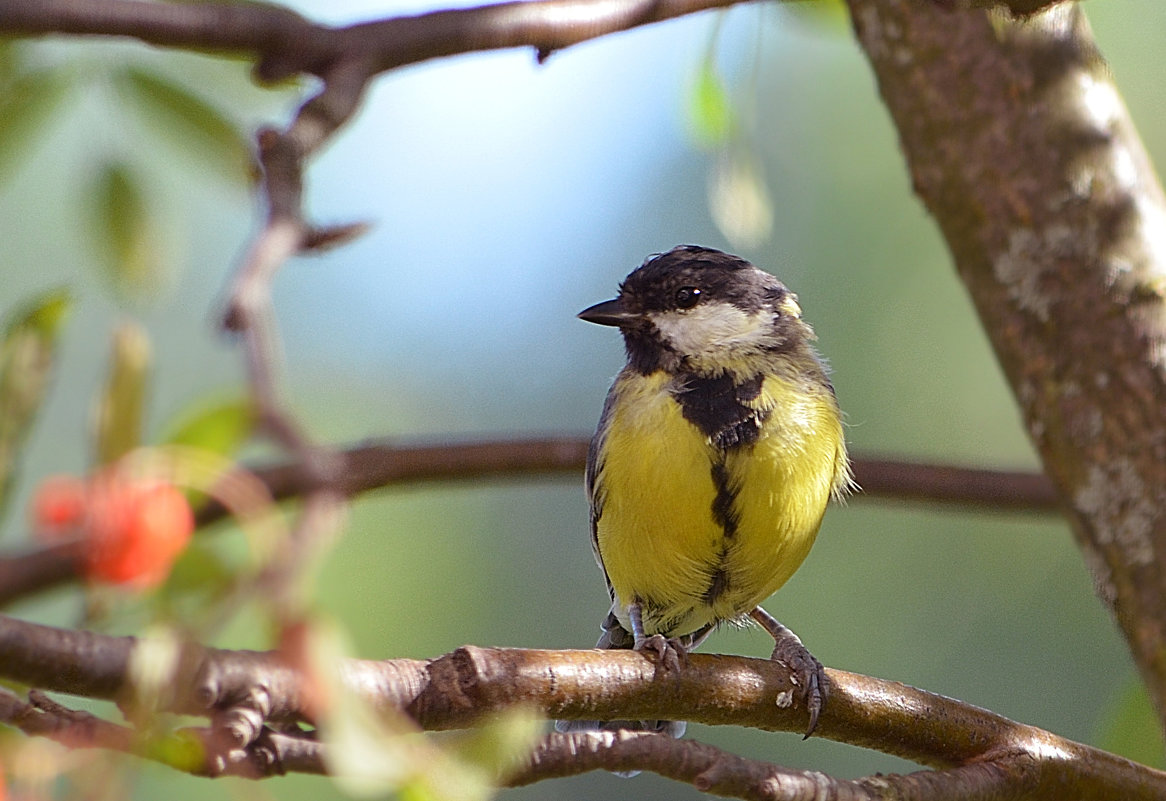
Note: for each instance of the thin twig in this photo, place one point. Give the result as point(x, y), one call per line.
point(390, 463)
point(250, 314)
point(711, 770)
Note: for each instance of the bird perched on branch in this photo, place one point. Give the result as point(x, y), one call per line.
point(719, 446)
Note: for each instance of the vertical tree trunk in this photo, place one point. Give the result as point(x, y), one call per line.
point(1020, 146)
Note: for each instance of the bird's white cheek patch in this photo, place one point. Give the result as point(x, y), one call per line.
point(711, 328)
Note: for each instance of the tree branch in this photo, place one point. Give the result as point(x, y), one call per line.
point(1020, 146)
point(707, 768)
point(384, 464)
point(387, 463)
point(461, 688)
point(284, 43)
point(189, 750)
point(714, 771)
point(1018, 8)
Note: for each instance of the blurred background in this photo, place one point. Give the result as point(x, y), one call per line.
point(505, 197)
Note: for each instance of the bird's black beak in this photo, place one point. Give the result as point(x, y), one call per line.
point(610, 312)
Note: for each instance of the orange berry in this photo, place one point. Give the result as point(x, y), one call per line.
point(136, 531)
point(58, 507)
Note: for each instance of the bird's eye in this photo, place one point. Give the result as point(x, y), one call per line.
point(687, 297)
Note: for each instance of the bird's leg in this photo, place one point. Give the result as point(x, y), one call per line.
point(692, 641)
point(806, 672)
point(670, 652)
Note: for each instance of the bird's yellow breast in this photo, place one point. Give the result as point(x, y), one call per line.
point(659, 535)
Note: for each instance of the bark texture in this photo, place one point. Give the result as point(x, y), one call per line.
point(1021, 148)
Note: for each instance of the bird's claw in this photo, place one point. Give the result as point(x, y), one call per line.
point(806, 674)
point(670, 651)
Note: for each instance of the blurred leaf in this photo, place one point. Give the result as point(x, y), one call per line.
point(201, 572)
point(1130, 727)
point(182, 750)
point(196, 127)
point(43, 315)
point(124, 232)
point(26, 365)
point(710, 113)
point(121, 407)
point(9, 58)
point(26, 105)
point(739, 199)
point(502, 745)
point(219, 427)
point(153, 664)
point(374, 751)
point(829, 16)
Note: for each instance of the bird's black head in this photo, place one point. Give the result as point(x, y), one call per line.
point(701, 310)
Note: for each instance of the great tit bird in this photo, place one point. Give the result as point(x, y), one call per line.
point(719, 446)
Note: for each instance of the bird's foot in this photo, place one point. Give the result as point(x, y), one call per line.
point(806, 674)
point(670, 652)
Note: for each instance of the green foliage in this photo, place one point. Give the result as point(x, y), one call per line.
point(27, 361)
point(125, 234)
point(831, 16)
point(500, 745)
point(376, 751)
point(1131, 728)
point(204, 576)
point(122, 404)
point(193, 126)
point(27, 103)
point(710, 113)
point(181, 750)
point(151, 121)
point(201, 574)
point(220, 427)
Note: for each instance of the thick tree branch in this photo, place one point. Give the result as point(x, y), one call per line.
point(1020, 146)
point(463, 687)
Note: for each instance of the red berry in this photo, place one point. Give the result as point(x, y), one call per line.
point(58, 507)
point(136, 531)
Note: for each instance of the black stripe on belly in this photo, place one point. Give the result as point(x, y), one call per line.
point(720, 408)
point(727, 517)
point(718, 584)
point(723, 512)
